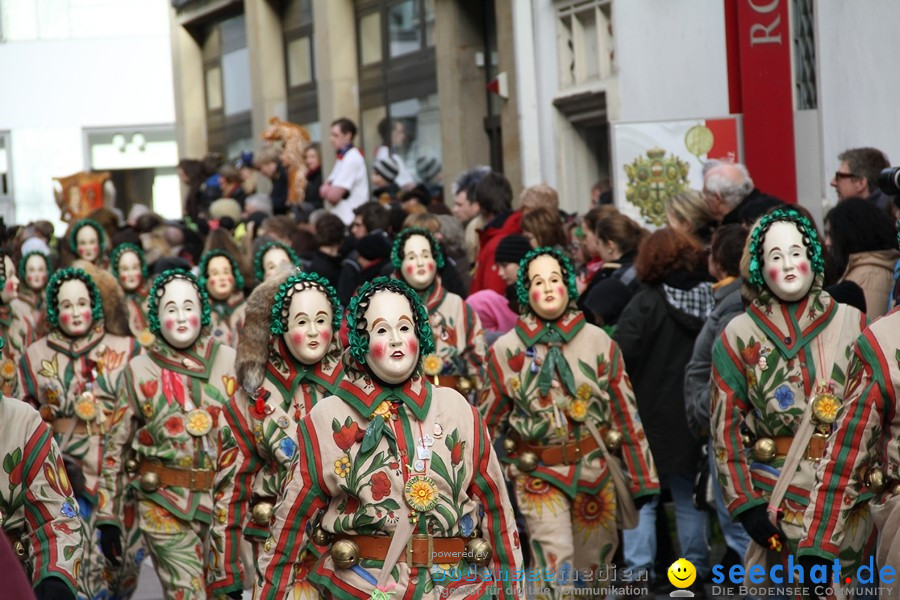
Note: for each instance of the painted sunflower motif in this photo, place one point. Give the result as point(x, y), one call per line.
point(578, 409)
point(590, 512)
point(383, 410)
point(7, 369)
point(432, 364)
point(536, 495)
point(421, 493)
point(160, 520)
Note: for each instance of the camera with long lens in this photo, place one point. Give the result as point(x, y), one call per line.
point(889, 181)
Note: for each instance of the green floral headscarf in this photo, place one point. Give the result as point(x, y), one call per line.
point(56, 281)
point(158, 289)
point(121, 249)
point(356, 322)
point(298, 283)
point(204, 265)
point(568, 274)
point(258, 270)
point(24, 261)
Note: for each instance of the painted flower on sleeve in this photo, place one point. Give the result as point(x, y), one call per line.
point(381, 486)
point(347, 434)
point(785, 397)
point(750, 353)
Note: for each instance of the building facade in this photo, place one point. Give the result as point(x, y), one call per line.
point(87, 86)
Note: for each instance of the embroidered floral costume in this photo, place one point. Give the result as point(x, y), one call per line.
point(545, 380)
point(17, 327)
point(136, 300)
point(167, 413)
point(227, 315)
point(277, 392)
point(377, 459)
point(767, 366)
point(74, 382)
point(38, 512)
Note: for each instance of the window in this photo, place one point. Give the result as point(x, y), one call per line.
point(226, 66)
point(300, 61)
point(404, 28)
point(585, 42)
point(804, 54)
point(370, 38)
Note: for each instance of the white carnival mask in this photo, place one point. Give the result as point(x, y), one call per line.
point(10, 289)
point(73, 303)
point(419, 266)
point(548, 295)
point(274, 260)
point(309, 326)
point(219, 278)
point(786, 266)
point(129, 271)
point(180, 314)
point(87, 243)
point(36, 273)
point(393, 346)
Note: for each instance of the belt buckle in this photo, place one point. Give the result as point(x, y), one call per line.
point(195, 473)
point(808, 454)
point(409, 550)
point(576, 448)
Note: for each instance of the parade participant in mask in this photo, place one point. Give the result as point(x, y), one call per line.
point(129, 268)
point(34, 272)
point(779, 372)
point(288, 359)
point(558, 384)
point(272, 258)
point(403, 471)
point(17, 327)
point(168, 413)
point(458, 360)
point(223, 282)
point(87, 241)
point(862, 461)
point(38, 513)
point(73, 375)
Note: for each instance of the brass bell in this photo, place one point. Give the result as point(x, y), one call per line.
point(509, 445)
point(528, 461)
point(150, 481)
point(262, 513)
point(321, 537)
point(131, 466)
point(478, 552)
point(345, 554)
point(613, 440)
point(19, 549)
point(465, 385)
point(876, 481)
point(747, 440)
point(764, 449)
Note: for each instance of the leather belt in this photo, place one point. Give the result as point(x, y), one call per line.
point(65, 425)
point(814, 451)
point(197, 480)
point(422, 550)
point(560, 454)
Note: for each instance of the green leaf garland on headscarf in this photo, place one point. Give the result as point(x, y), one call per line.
point(757, 236)
point(56, 281)
point(158, 289)
point(121, 249)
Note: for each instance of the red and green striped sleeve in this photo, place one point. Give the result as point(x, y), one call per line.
point(493, 403)
point(728, 408)
point(238, 464)
point(498, 523)
point(624, 417)
point(301, 497)
point(865, 414)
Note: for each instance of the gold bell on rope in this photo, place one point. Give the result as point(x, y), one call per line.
point(262, 513)
point(509, 445)
point(150, 481)
point(131, 466)
point(478, 552)
point(876, 480)
point(613, 440)
point(465, 385)
point(528, 461)
point(321, 537)
point(345, 554)
point(764, 449)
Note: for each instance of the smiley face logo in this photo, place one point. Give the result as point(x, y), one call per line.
point(682, 573)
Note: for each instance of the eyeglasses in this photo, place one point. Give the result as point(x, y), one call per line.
point(839, 175)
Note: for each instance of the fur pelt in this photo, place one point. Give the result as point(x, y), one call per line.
point(253, 347)
point(296, 140)
point(115, 314)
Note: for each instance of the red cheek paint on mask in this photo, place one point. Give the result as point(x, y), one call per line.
point(378, 350)
point(169, 324)
point(410, 269)
point(773, 273)
point(194, 321)
point(326, 335)
point(9, 285)
point(413, 346)
point(430, 267)
point(86, 315)
point(65, 319)
point(297, 338)
point(535, 296)
point(560, 290)
point(803, 267)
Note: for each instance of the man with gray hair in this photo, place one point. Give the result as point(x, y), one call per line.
point(731, 196)
point(857, 176)
point(466, 208)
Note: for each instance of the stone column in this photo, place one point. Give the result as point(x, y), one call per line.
point(334, 24)
point(190, 95)
point(268, 77)
point(509, 113)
